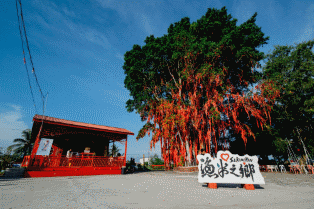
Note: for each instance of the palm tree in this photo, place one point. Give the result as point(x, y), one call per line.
point(113, 150)
point(24, 145)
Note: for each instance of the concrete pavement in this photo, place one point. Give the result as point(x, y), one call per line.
point(157, 189)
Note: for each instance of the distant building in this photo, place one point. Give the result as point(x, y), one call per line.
point(146, 159)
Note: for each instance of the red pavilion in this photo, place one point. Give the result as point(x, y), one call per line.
point(77, 136)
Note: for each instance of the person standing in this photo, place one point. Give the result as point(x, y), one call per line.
point(69, 155)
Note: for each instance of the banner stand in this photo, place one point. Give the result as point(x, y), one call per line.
point(245, 186)
point(212, 185)
point(248, 186)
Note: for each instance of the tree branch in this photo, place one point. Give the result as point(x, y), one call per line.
point(173, 76)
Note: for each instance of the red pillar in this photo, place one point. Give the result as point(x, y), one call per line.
point(36, 145)
point(126, 146)
point(35, 148)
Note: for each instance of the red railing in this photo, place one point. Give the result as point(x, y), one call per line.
point(63, 161)
point(25, 161)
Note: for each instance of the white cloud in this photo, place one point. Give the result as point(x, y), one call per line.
point(68, 12)
point(147, 27)
point(122, 8)
point(120, 56)
point(96, 37)
point(52, 21)
point(11, 125)
point(130, 10)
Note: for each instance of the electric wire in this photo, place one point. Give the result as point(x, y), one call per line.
point(27, 72)
point(29, 52)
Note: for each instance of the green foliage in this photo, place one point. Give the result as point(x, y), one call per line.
point(23, 145)
point(292, 67)
point(155, 160)
point(146, 128)
point(6, 158)
point(113, 150)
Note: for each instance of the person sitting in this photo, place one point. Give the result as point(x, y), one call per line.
point(87, 150)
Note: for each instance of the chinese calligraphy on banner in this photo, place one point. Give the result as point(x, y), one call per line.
point(229, 168)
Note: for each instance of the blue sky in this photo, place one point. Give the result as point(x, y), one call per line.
point(78, 47)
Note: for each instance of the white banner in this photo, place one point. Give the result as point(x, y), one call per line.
point(44, 146)
point(229, 168)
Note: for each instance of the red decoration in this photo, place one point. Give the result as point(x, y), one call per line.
point(190, 120)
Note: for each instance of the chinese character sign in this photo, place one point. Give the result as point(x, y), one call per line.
point(229, 168)
point(44, 146)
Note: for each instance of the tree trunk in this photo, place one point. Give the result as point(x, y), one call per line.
point(187, 147)
point(194, 155)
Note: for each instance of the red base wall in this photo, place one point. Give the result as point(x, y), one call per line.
point(79, 171)
point(186, 169)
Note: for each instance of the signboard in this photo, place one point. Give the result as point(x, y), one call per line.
point(229, 168)
point(44, 147)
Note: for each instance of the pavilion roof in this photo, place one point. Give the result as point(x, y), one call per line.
point(58, 121)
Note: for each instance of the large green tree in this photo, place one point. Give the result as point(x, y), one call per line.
point(293, 69)
point(193, 82)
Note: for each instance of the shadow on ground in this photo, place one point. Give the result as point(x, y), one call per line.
point(12, 174)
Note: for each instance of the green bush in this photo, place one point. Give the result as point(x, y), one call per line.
point(155, 160)
point(5, 161)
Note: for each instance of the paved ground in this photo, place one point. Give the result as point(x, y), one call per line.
point(157, 189)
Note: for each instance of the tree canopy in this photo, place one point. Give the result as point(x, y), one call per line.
point(194, 81)
point(23, 145)
point(293, 69)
